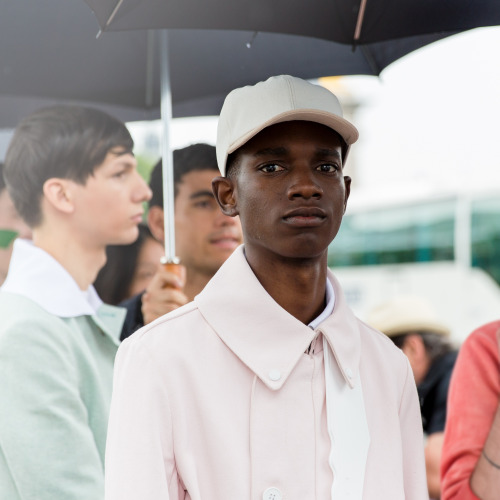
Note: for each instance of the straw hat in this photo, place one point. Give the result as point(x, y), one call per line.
point(405, 315)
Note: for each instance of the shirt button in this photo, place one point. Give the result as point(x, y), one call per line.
point(348, 372)
point(274, 375)
point(272, 494)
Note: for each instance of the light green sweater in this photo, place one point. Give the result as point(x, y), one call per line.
point(55, 391)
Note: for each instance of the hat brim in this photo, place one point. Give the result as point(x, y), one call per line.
point(411, 326)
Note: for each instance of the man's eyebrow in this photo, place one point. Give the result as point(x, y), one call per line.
point(279, 151)
point(328, 152)
point(121, 151)
point(201, 194)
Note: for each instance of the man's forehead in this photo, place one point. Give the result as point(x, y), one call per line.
point(198, 179)
point(277, 138)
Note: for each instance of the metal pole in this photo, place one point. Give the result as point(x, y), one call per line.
point(167, 157)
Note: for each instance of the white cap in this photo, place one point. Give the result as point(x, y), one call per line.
point(248, 110)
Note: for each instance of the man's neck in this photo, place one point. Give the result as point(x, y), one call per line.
point(299, 286)
point(82, 262)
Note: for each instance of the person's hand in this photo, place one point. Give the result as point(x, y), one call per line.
point(163, 294)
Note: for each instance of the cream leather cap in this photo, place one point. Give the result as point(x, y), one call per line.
point(248, 110)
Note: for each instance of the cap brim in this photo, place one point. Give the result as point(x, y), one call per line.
point(346, 130)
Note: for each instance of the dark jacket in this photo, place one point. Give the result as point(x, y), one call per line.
point(433, 393)
point(134, 319)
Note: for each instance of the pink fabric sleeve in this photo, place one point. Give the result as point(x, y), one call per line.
point(139, 448)
point(472, 403)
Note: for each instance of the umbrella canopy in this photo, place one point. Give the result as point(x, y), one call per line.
point(49, 52)
point(344, 21)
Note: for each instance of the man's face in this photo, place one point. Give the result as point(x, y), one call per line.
point(205, 237)
point(108, 207)
point(289, 190)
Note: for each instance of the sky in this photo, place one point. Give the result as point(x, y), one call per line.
point(431, 119)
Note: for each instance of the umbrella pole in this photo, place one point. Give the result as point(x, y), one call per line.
point(167, 156)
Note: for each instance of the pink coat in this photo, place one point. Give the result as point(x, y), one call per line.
point(218, 401)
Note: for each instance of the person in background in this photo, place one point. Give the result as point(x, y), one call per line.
point(413, 325)
point(129, 268)
point(205, 237)
point(267, 385)
point(72, 177)
point(10, 221)
point(470, 466)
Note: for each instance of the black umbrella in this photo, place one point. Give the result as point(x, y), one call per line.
point(48, 52)
point(354, 22)
point(345, 21)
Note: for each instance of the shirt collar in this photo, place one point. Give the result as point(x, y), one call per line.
point(265, 337)
point(36, 275)
point(330, 304)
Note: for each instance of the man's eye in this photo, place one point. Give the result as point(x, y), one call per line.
point(202, 204)
point(272, 167)
point(328, 167)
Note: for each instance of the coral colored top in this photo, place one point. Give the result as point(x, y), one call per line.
point(472, 403)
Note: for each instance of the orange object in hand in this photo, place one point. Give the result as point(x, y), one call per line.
point(173, 267)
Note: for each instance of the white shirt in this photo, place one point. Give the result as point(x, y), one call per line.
point(60, 295)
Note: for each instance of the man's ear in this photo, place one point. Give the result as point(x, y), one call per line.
point(224, 192)
point(347, 182)
point(156, 223)
point(57, 192)
point(414, 347)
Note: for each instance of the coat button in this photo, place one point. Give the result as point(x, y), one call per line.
point(274, 375)
point(272, 494)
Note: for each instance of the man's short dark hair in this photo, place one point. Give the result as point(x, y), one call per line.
point(192, 158)
point(436, 344)
point(66, 142)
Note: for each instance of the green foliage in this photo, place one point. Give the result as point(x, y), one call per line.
point(6, 237)
point(145, 165)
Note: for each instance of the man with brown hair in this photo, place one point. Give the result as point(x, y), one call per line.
point(72, 176)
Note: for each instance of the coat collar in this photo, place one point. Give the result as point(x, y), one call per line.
point(265, 337)
point(36, 275)
point(110, 320)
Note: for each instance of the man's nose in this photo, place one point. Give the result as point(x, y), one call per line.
point(142, 191)
point(303, 185)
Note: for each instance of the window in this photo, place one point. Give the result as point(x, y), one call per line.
point(403, 234)
point(485, 235)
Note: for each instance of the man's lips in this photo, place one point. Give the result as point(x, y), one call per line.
point(225, 241)
point(137, 218)
point(305, 217)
